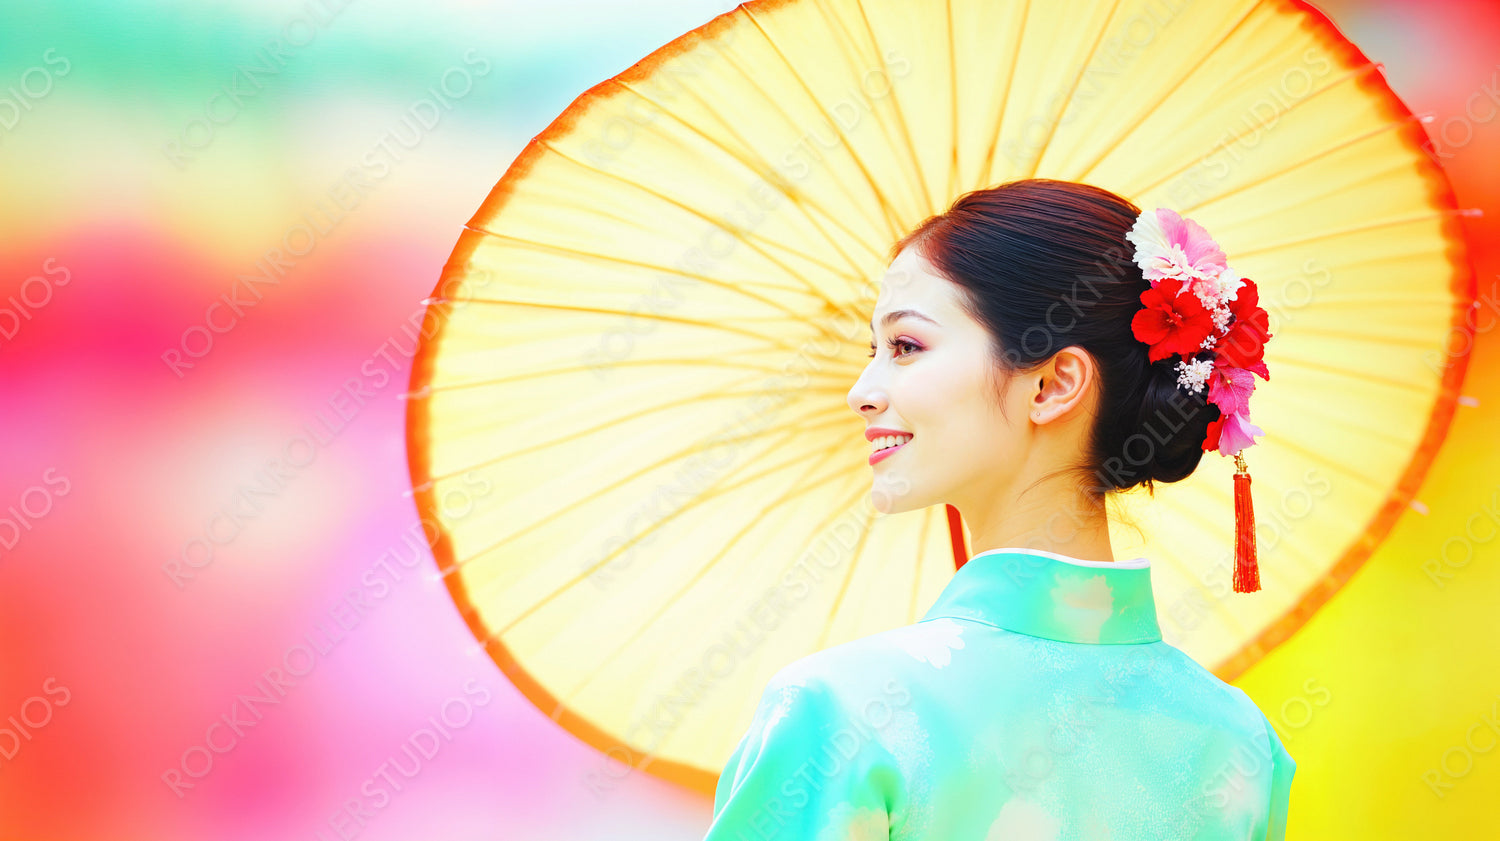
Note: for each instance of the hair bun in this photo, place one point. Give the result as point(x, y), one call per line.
point(1167, 444)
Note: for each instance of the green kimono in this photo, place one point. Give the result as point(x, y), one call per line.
point(1035, 700)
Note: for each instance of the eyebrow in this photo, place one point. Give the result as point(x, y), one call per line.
point(896, 315)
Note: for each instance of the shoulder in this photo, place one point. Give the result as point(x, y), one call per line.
point(931, 641)
point(885, 667)
point(1236, 709)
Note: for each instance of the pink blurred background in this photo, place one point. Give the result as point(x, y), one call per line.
point(134, 611)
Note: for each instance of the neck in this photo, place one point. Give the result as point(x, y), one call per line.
point(1050, 523)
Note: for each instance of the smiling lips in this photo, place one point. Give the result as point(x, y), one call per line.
point(886, 442)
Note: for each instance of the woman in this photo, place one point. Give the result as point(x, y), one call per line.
point(1013, 377)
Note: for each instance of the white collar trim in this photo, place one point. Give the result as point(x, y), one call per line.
point(1133, 563)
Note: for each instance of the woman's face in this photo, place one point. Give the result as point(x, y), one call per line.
point(932, 377)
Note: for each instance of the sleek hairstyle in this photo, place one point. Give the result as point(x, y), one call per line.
point(1043, 265)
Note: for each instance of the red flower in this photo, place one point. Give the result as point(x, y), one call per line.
point(1171, 322)
point(1244, 345)
point(1215, 429)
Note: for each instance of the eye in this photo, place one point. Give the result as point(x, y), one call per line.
point(893, 344)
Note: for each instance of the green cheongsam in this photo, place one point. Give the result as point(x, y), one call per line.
point(1034, 701)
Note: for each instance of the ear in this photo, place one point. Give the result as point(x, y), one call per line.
point(1063, 384)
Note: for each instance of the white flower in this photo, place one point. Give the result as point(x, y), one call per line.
point(1082, 605)
point(1217, 291)
point(1192, 375)
point(933, 642)
point(1149, 240)
point(1221, 316)
point(1020, 818)
point(785, 697)
point(1167, 245)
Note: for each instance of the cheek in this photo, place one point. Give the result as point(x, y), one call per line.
point(923, 398)
point(960, 402)
point(938, 398)
point(949, 379)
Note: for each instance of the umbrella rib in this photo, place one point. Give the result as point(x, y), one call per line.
point(1073, 88)
point(1284, 358)
point(850, 54)
point(911, 148)
point(1304, 162)
point(647, 624)
point(1195, 160)
point(1189, 574)
point(916, 569)
point(1115, 144)
point(892, 217)
point(1015, 60)
point(1290, 547)
point(1218, 492)
point(748, 237)
point(1350, 229)
point(533, 447)
point(1340, 466)
point(703, 496)
point(787, 118)
point(573, 369)
point(597, 213)
point(740, 289)
point(838, 597)
point(1306, 408)
point(690, 322)
point(1426, 343)
point(953, 128)
point(687, 586)
point(580, 577)
point(1273, 575)
point(1356, 301)
point(775, 182)
point(568, 251)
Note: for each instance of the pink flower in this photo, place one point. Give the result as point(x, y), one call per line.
point(1230, 434)
point(1167, 245)
point(1229, 387)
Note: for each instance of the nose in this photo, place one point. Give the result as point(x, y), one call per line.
point(867, 397)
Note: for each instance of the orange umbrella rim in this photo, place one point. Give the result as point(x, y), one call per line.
point(1463, 285)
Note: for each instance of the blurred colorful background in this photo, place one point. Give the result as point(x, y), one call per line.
point(218, 612)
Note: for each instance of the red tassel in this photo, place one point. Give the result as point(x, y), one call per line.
point(1246, 572)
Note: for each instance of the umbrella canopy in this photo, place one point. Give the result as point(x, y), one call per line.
point(641, 345)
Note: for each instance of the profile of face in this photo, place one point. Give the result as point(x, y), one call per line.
point(932, 377)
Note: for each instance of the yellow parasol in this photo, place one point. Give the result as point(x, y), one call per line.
point(644, 337)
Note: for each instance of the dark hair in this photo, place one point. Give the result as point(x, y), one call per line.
point(1043, 265)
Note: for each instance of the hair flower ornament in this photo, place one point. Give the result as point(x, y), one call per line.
point(1203, 312)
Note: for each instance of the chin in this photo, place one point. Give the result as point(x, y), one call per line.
point(891, 494)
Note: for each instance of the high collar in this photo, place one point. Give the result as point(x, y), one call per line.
point(1047, 595)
